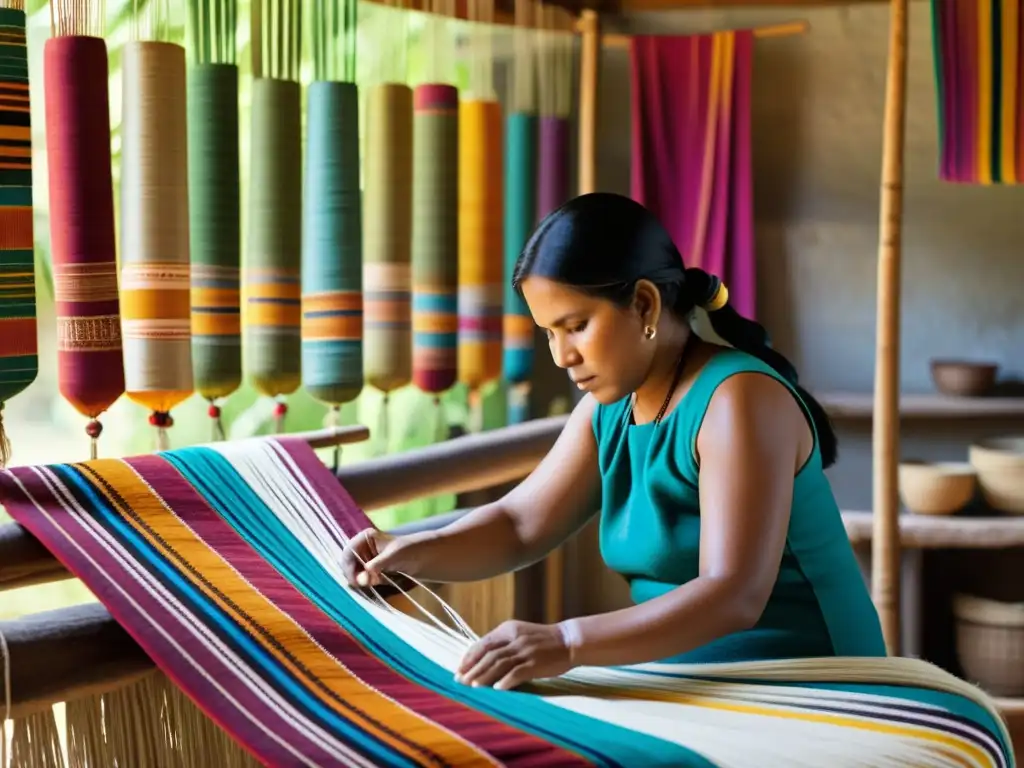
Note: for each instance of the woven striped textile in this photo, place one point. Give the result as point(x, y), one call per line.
point(223, 563)
point(19, 363)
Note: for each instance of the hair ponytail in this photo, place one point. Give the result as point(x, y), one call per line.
point(707, 291)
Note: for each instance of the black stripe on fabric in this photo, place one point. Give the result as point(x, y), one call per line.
point(123, 509)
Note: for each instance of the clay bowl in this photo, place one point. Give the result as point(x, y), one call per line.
point(999, 462)
point(936, 488)
point(960, 378)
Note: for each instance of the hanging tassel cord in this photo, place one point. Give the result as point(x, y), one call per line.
point(94, 429)
point(333, 421)
point(440, 421)
point(162, 421)
point(476, 411)
point(5, 443)
point(382, 424)
point(216, 423)
point(280, 412)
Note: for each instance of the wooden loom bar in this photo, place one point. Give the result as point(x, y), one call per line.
point(885, 550)
point(465, 464)
point(787, 29)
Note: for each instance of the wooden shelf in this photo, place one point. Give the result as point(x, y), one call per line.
point(927, 532)
point(860, 405)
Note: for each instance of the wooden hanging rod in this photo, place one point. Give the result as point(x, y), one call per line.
point(787, 29)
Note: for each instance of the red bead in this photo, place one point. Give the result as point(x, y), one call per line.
point(213, 411)
point(154, 420)
point(280, 409)
point(161, 419)
point(93, 429)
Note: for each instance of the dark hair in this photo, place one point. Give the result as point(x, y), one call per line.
point(603, 243)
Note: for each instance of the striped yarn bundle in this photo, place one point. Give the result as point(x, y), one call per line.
point(387, 247)
point(90, 362)
point(155, 306)
point(215, 226)
point(332, 279)
point(19, 362)
point(978, 49)
point(481, 267)
point(273, 264)
point(224, 562)
point(435, 245)
point(520, 218)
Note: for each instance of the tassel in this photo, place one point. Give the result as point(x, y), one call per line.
point(280, 411)
point(217, 425)
point(440, 421)
point(332, 421)
point(5, 443)
point(382, 424)
point(162, 421)
point(476, 411)
point(94, 429)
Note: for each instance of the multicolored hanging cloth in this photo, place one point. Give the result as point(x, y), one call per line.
point(19, 361)
point(223, 562)
point(979, 71)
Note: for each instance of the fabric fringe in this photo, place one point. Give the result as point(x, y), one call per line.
point(5, 443)
point(146, 724)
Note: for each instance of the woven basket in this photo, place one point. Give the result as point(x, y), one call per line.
point(990, 643)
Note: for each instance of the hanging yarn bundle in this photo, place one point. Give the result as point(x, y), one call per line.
point(435, 221)
point(481, 267)
point(520, 211)
point(155, 307)
point(90, 363)
point(273, 261)
point(19, 362)
point(387, 221)
point(214, 201)
point(556, 62)
point(332, 281)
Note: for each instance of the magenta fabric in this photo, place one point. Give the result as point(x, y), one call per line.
point(691, 151)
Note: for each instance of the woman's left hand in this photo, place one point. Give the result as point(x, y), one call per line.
point(515, 653)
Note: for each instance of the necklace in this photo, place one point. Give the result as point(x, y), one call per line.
point(676, 377)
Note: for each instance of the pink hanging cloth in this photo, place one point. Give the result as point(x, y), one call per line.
point(691, 152)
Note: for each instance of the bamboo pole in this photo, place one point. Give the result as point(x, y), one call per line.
point(885, 550)
point(785, 29)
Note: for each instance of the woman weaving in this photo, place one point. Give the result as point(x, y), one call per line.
point(704, 455)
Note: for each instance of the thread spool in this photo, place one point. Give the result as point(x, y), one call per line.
point(272, 271)
point(480, 242)
point(90, 362)
point(520, 214)
point(388, 238)
point(215, 229)
point(155, 289)
point(19, 362)
point(435, 246)
point(332, 280)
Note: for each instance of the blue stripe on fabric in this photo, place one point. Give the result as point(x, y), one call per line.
point(212, 614)
point(439, 340)
point(442, 304)
point(603, 743)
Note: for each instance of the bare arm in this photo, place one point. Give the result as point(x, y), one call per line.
point(752, 442)
point(534, 518)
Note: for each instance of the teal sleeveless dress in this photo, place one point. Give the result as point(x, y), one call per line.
point(650, 532)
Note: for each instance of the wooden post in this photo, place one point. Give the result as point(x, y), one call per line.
point(885, 559)
point(590, 62)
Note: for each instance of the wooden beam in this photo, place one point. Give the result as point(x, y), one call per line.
point(785, 29)
point(639, 6)
point(885, 559)
point(468, 463)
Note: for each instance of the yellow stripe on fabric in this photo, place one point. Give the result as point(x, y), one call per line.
point(940, 739)
point(169, 536)
point(984, 105)
point(1008, 78)
point(156, 304)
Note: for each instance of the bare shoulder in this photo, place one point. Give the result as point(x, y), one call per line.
point(752, 412)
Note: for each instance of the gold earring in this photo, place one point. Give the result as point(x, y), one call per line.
point(650, 332)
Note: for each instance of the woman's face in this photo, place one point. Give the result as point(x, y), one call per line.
point(601, 345)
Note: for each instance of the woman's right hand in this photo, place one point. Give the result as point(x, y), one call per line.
point(372, 553)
